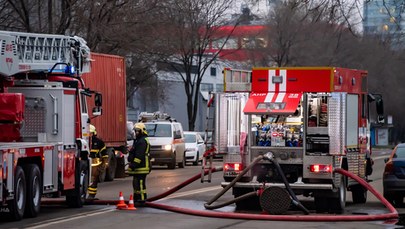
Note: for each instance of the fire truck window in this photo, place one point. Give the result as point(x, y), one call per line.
point(364, 106)
point(84, 104)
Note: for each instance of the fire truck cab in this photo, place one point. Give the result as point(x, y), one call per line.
point(44, 121)
point(311, 119)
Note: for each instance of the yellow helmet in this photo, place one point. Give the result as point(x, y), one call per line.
point(140, 126)
point(93, 129)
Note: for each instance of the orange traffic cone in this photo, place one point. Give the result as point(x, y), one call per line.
point(121, 203)
point(131, 205)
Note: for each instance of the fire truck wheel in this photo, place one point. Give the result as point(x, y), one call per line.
point(182, 163)
point(34, 190)
point(112, 166)
point(337, 203)
point(17, 205)
point(75, 198)
point(321, 204)
point(359, 194)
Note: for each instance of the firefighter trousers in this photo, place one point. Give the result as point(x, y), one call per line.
point(97, 167)
point(139, 185)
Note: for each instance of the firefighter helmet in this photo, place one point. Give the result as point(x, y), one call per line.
point(93, 129)
point(141, 127)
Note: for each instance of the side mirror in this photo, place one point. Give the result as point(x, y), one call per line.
point(97, 111)
point(98, 99)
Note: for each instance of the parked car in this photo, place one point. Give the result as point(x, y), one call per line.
point(195, 147)
point(394, 176)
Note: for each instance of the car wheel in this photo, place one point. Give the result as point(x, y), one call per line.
point(172, 164)
point(196, 159)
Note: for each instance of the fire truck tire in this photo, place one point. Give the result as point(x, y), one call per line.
point(321, 204)
point(76, 198)
point(112, 165)
point(17, 205)
point(359, 194)
point(182, 163)
point(120, 170)
point(337, 203)
point(34, 190)
point(172, 164)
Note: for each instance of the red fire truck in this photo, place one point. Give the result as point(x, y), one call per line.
point(44, 121)
point(310, 119)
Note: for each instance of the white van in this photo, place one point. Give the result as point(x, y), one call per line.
point(167, 143)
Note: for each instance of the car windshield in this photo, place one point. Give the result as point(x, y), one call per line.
point(158, 130)
point(400, 152)
point(190, 138)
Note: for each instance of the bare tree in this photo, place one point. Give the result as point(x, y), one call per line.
point(185, 30)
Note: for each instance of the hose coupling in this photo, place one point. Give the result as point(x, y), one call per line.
point(268, 156)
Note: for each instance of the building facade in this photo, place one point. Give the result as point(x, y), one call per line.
point(385, 19)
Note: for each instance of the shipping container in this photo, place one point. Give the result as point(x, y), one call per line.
point(107, 76)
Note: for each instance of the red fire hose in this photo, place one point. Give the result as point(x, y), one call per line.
point(393, 214)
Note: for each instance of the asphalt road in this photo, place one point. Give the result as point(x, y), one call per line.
point(191, 198)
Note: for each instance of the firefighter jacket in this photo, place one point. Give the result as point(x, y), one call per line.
point(98, 148)
point(138, 158)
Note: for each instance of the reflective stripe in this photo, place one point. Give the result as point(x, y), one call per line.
point(143, 192)
point(137, 160)
point(92, 190)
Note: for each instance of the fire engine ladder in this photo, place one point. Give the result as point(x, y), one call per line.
point(209, 141)
point(43, 51)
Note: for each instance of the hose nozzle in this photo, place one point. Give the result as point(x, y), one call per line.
point(268, 156)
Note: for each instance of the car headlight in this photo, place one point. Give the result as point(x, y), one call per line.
point(167, 147)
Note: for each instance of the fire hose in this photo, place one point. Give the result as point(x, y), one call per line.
point(268, 156)
point(393, 214)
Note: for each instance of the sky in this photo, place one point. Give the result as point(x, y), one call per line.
point(262, 7)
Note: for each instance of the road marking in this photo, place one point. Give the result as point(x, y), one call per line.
point(47, 223)
point(380, 157)
point(188, 193)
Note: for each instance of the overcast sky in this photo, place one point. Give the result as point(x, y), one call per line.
point(262, 7)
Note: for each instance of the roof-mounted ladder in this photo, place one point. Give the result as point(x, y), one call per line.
point(43, 51)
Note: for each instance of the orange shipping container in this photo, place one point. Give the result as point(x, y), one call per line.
point(108, 77)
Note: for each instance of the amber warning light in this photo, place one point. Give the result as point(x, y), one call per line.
point(320, 168)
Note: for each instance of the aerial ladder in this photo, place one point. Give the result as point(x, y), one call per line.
point(42, 51)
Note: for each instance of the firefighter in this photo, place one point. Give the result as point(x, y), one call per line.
point(99, 158)
point(139, 163)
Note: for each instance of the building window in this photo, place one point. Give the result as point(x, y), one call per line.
point(213, 71)
point(206, 87)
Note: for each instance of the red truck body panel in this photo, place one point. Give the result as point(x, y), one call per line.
point(108, 77)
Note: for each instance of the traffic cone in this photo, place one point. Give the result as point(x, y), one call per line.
point(121, 203)
point(131, 205)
